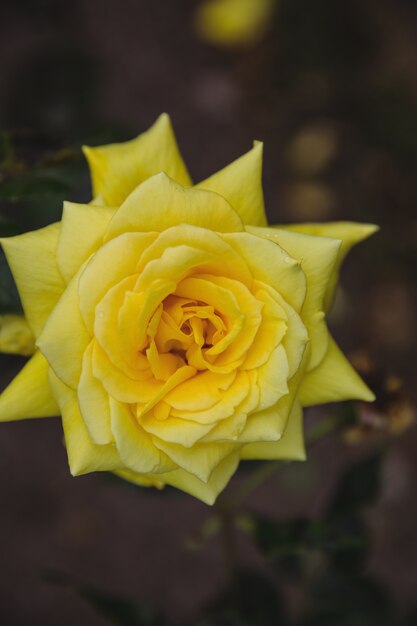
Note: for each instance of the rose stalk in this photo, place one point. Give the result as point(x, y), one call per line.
point(176, 332)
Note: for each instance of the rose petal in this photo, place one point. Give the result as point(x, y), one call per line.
point(82, 229)
point(29, 394)
point(290, 446)
point(118, 168)
point(83, 454)
point(32, 259)
point(333, 380)
point(160, 202)
point(240, 183)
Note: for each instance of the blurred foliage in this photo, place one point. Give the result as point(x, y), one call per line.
point(325, 560)
point(32, 192)
point(392, 413)
point(9, 298)
point(117, 609)
point(33, 187)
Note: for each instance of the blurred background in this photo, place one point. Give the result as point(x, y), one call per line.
point(331, 88)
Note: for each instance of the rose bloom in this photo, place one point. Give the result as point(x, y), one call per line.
point(176, 332)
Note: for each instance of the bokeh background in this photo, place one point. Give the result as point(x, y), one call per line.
point(331, 88)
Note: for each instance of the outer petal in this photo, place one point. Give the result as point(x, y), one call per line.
point(290, 447)
point(32, 258)
point(160, 203)
point(82, 230)
point(241, 184)
point(350, 233)
point(143, 480)
point(15, 335)
point(333, 380)
point(207, 492)
point(118, 168)
point(98, 200)
point(65, 337)
point(84, 455)
point(200, 460)
point(29, 394)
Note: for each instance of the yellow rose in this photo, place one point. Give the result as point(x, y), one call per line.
point(176, 332)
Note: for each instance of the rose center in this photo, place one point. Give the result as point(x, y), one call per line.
point(186, 329)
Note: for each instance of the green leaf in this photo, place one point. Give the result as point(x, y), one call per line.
point(31, 186)
point(7, 154)
point(297, 536)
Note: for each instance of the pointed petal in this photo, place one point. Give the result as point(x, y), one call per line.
point(118, 168)
point(15, 335)
point(333, 380)
point(350, 234)
point(29, 394)
point(160, 203)
point(32, 258)
point(143, 480)
point(82, 229)
point(65, 337)
point(98, 200)
point(241, 184)
point(200, 460)
point(205, 491)
point(84, 455)
point(290, 447)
